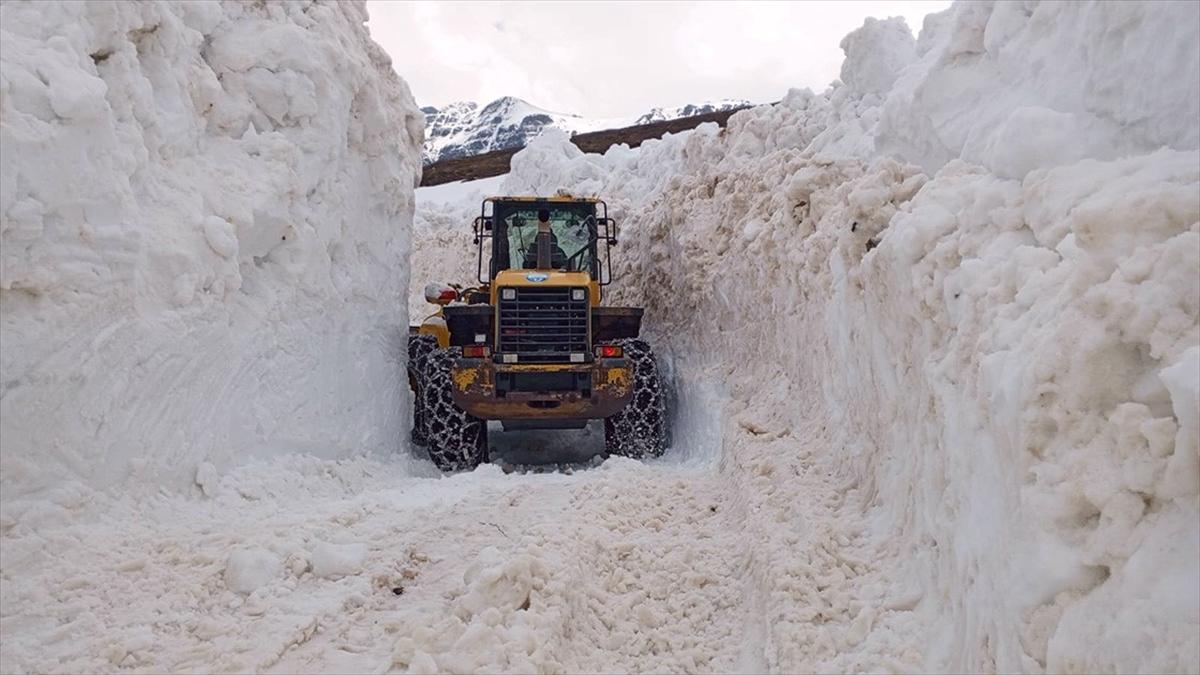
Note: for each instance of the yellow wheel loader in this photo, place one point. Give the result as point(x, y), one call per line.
point(531, 345)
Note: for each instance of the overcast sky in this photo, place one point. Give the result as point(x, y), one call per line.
point(610, 59)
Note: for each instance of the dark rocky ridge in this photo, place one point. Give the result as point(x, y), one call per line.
point(465, 130)
point(496, 162)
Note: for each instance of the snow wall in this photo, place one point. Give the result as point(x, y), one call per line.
point(205, 226)
point(975, 262)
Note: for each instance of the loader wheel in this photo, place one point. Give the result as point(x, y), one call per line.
point(640, 429)
point(419, 347)
point(456, 439)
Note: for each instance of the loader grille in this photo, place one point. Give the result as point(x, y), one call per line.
point(544, 325)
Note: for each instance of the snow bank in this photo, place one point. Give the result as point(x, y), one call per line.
point(976, 266)
point(205, 214)
point(1046, 83)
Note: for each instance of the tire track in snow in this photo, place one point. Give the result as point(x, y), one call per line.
point(756, 564)
point(623, 568)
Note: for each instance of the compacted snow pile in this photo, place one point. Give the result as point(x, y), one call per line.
point(205, 224)
point(974, 267)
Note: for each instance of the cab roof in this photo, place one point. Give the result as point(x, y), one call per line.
point(558, 198)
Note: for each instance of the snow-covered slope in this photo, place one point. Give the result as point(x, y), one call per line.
point(205, 211)
point(464, 129)
point(976, 263)
point(688, 110)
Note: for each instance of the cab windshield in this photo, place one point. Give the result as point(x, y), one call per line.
point(571, 246)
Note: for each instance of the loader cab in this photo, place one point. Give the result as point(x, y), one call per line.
point(580, 235)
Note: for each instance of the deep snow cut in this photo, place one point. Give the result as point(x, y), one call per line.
point(205, 229)
point(981, 268)
point(937, 392)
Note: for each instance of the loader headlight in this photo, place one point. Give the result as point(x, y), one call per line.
point(508, 294)
point(579, 295)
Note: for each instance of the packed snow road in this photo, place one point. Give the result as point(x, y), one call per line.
point(304, 565)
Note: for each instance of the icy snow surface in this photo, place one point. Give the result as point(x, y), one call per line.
point(934, 341)
point(205, 227)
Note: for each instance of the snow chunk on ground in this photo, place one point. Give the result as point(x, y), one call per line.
point(207, 479)
point(331, 561)
point(494, 581)
point(247, 570)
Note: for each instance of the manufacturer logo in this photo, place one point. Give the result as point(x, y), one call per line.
point(537, 277)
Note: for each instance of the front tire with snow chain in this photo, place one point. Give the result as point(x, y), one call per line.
point(640, 429)
point(456, 440)
point(419, 347)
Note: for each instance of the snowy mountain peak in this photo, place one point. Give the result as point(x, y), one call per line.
point(463, 128)
point(689, 110)
point(462, 107)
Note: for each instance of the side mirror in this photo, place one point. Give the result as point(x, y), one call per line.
point(610, 230)
point(480, 226)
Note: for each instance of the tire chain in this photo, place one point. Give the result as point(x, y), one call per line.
point(456, 439)
point(640, 429)
point(419, 347)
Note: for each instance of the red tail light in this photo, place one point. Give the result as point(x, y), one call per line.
point(475, 351)
point(609, 352)
point(449, 295)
